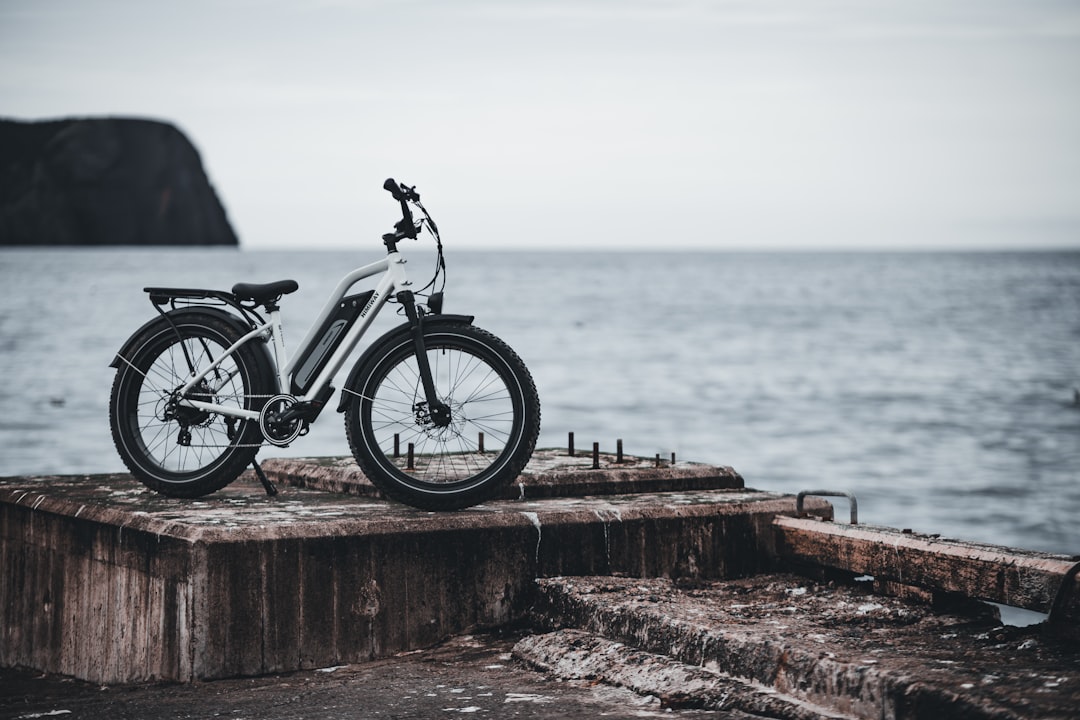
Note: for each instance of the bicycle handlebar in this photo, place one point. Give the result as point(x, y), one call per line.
point(403, 194)
point(407, 228)
point(401, 191)
point(393, 188)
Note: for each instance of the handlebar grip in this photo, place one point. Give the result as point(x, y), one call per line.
point(394, 189)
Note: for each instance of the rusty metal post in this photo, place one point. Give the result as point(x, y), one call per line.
point(570, 445)
point(672, 459)
point(410, 466)
point(618, 450)
point(657, 459)
point(397, 445)
point(596, 456)
point(480, 443)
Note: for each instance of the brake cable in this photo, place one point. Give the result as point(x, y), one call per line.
point(440, 259)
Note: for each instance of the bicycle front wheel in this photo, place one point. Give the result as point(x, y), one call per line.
point(492, 430)
point(171, 447)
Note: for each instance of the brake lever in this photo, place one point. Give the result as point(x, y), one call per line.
point(406, 228)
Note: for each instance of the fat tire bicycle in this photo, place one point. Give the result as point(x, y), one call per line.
point(439, 413)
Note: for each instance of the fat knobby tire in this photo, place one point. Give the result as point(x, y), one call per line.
point(492, 430)
point(148, 432)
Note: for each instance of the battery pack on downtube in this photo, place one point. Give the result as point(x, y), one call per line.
point(332, 332)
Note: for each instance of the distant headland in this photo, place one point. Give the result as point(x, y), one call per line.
point(105, 181)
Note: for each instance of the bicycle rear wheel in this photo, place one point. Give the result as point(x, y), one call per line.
point(494, 423)
point(172, 448)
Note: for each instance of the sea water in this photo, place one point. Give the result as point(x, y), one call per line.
point(940, 388)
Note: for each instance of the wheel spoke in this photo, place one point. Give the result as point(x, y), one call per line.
point(479, 400)
point(157, 422)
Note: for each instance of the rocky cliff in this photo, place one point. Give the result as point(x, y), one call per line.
point(105, 181)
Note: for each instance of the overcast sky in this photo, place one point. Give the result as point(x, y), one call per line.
point(593, 123)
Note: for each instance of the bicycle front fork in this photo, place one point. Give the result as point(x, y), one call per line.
point(432, 409)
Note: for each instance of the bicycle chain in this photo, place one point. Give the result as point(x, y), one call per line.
point(238, 445)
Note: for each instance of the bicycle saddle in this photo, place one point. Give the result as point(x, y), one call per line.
point(264, 292)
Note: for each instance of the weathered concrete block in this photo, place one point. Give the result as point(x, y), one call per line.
point(550, 473)
point(109, 582)
point(129, 594)
point(1021, 578)
point(577, 655)
point(837, 647)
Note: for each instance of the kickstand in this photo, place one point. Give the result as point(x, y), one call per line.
point(270, 489)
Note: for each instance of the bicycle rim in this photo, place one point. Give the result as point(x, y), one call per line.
point(180, 441)
point(486, 416)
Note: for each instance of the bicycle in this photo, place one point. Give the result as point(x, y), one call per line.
point(439, 413)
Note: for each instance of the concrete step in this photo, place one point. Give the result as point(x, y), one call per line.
point(471, 676)
point(575, 655)
point(112, 583)
point(550, 473)
point(835, 647)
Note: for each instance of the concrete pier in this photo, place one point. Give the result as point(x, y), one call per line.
point(109, 582)
point(674, 581)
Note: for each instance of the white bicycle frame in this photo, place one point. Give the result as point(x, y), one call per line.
point(392, 281)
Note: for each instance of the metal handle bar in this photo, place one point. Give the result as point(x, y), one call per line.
point(854, 504)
